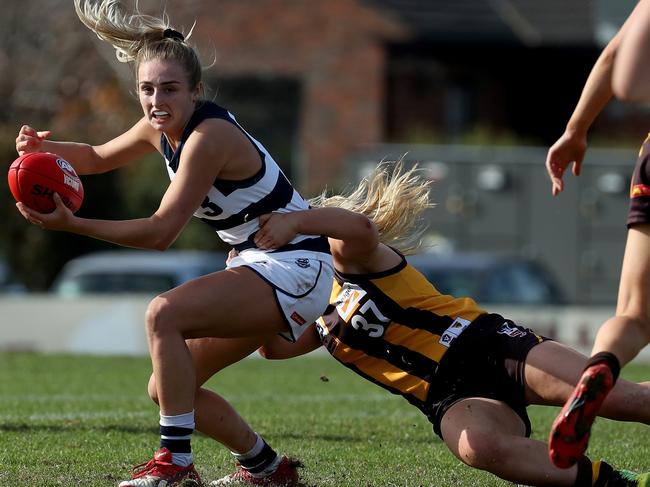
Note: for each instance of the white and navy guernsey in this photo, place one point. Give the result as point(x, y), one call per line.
point(233, 208)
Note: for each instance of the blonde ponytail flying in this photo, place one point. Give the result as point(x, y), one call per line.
point(127, 33)
point(394, 199)
point(137, 37)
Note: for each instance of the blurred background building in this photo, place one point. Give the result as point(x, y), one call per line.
point(473, 90)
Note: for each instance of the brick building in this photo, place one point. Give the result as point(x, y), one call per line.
point(318, 80)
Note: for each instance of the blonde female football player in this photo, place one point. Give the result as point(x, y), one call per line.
point(222, 175)
point(472, 373)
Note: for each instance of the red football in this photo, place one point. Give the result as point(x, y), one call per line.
point(36, 176)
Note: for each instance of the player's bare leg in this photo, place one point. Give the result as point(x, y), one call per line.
point(214, 416)
point(489, 435)
point(217, 305)
point(618, 341)
point(628, 332)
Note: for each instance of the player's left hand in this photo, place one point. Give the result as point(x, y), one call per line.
point(569, 149)
point(276, 230)
point(59, 219)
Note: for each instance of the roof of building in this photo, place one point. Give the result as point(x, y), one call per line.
point(529, 22)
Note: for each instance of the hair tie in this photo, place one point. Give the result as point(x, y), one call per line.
point(173, 34)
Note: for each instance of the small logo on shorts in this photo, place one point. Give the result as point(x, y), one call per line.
point(298, 319)
point(304, 263)
point(511, 331)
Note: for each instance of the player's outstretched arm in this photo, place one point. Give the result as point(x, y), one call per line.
point(183, 196)
point(570, 148)
point(87, 159)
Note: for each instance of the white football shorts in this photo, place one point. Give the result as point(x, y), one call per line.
point(302, 281)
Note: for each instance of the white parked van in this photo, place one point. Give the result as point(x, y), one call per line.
point(134, 271)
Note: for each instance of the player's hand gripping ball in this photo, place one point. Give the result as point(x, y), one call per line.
point(35, 177)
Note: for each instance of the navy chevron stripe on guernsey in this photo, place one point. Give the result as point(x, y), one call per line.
point(232, 207)
point(279, 197)
point(176, 439)
point(206, 110)
point(227, 187)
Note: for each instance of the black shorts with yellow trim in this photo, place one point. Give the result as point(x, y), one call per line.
point(487, 361)
point(639, 212)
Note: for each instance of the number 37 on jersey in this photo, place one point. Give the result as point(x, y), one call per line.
point(362, 315)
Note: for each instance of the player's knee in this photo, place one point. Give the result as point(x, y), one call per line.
point(157, 316)
point(637, 319)
point(481, 450)
point(635, 307)
point(152, 389)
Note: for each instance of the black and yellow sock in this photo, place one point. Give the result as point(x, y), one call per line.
point(595, 474)
point(584, 477)
point(602, 472)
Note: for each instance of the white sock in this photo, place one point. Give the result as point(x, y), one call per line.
point(261, 460)
point(178, 440)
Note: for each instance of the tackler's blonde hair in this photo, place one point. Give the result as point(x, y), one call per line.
point(394, 198)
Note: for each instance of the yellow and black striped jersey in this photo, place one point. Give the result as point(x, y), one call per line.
point(393, 327)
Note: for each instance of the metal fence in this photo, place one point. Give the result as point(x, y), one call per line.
point(499, 199)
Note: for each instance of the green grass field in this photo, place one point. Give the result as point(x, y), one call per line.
point(84, 421)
